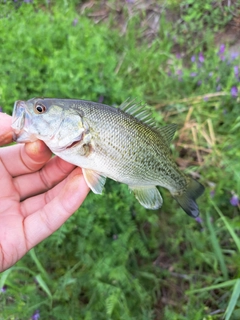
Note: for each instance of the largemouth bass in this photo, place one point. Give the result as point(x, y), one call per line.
point(122, 143)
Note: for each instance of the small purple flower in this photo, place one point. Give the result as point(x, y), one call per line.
point(199, 82)
point(100, 99)
point(27, 1)
point(178, 55)
point(234, 55)
point(210, 74)
point(1, 109)
point(236, 71)
point(36, 315)
point(193, 58)
point(75, 22)
point(3, 289)
point(221, 49)
point(205, 98)
point(234, 200)
point(193, 74)
point(212, 193)
point(179, 73)
point(199, 220)
point(201, 57)
point(234, 91)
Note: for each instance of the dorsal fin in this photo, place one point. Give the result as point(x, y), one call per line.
point(139, 111)
point(167, 132)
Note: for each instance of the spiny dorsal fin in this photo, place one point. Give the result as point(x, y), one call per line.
point(168, 132)
point(138, 111)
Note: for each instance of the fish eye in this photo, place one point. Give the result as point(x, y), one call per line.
point(39, 108)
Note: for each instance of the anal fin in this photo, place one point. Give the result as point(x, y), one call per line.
point(94, 180)
point(148, 196)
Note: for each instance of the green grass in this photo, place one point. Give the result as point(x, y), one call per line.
point(113, 259)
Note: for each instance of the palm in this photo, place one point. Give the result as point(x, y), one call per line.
point(37, 196)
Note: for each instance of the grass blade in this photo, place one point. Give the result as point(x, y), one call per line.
point(233, 300)
point(3, 278)
point(228, 226)
point(217, 248)
point(215, 286)
point(38, 264)
point(43, 285)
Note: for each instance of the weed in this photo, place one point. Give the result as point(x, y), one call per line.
point(113, 259)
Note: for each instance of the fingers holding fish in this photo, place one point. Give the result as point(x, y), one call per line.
point(53, 208)
point(26, 158)
point(53, 172)
point(37, 202)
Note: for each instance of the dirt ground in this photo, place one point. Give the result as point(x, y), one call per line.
point(121, 11)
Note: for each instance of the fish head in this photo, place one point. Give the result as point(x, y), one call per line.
point(50, 120)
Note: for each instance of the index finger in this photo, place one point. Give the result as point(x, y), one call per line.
point(6, 133)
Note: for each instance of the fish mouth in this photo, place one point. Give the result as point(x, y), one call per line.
point(21, 121)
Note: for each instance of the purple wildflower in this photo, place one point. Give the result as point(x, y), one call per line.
point(219, 87)
point(36, 315)
point(234, 55)
point(205, 98)
point(210, 74)
point(212, 193)
point(179, 73)
point(178, 55)
point(193, 58)
point(199, 220)
point(234, 91)
point(3, 289)
point(236, 71)
point(221, 49)
point(1, 109)
point(27, 1)
point(199, 82)
point(201, 57)
point(234, 200)
point(100, 99)
point(75, 22)
point(193, 74)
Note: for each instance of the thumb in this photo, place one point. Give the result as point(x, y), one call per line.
point(37, 151)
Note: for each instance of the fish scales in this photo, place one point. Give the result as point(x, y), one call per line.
point(120, 143)
point(120, 130)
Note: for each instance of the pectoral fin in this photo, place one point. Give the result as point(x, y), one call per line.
point(94, 180)
point(149, 197)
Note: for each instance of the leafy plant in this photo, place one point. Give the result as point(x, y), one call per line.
point(113, 259)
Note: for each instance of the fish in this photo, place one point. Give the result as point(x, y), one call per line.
point(121, 143)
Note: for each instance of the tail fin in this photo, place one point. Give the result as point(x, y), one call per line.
point(187, 199)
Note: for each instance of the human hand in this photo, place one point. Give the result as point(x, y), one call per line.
point(37, 194)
